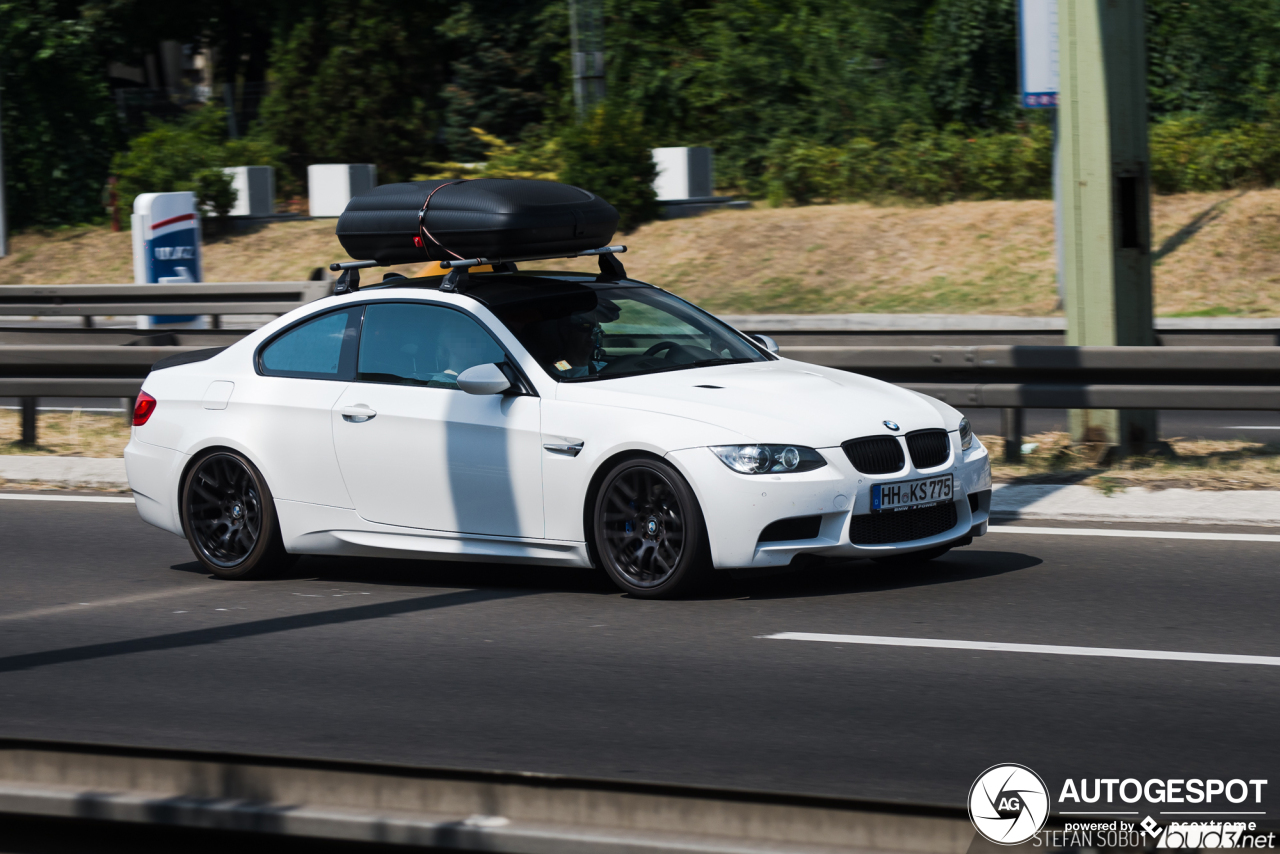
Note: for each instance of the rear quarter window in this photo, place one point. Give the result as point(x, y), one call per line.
point(320, 349)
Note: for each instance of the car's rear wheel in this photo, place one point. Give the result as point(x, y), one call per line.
point(229, 517)
point(922, 556)
point(648, 530)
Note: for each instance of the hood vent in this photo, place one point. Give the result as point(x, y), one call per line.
point(875, 454)
point(929, 448)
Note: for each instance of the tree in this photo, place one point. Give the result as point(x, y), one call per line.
point(609, 154)
point(59, 124)
point(969, 58)
point(504, 73)
point(360, 84)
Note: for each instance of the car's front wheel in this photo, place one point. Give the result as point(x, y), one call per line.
point(229, 517)
point(648, 529)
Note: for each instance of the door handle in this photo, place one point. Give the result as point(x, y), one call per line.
point(356, 414)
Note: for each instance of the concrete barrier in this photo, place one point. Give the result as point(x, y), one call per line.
point(452, 809)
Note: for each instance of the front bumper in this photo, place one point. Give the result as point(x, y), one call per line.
point(737, 508)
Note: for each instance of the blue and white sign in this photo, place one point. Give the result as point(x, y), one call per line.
point(1038, 52)
point(166, 244)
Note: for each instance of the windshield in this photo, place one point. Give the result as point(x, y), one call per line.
point(588, 334)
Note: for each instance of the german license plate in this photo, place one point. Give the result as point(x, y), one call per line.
point(910, 494)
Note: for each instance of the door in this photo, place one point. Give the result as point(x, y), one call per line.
point(286, 413)
point(417, 451)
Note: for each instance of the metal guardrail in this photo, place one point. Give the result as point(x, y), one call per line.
point(212, 298)
point(1009, 377)
point(1014, 378)
point(1035, 377)
point(519, 813)
point(965, 329)
point(79, 370)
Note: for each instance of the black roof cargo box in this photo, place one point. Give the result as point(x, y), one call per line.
point(484, 218)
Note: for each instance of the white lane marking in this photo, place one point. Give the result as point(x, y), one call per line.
point(1143, 535)
point(1041, 649)
point(119, 600)
point(1253, 427)
point(92, 499)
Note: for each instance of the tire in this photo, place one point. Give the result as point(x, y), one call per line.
point(229, 518)
point(913, 557)
point(647, 530)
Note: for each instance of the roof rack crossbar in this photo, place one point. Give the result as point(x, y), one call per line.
point(349, 281)
point(476, 262)
point(352, 265)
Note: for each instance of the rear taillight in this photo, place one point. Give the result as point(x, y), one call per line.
point(143, 408)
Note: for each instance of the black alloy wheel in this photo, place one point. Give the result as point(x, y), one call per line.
point(229, 517)
point(648, 530)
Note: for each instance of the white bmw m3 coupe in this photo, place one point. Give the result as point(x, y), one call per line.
point(542, 418)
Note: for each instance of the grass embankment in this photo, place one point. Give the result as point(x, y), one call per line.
point(1199, 464)
point(67, 434)
point(1214, 253)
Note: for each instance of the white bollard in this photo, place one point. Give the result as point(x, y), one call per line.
point(684, 173)
point(255, 188)
point(331, 185)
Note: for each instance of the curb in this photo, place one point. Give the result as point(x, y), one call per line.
point(65, 472)
point(1074, 503)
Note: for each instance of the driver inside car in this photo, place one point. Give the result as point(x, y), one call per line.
point(582, 336)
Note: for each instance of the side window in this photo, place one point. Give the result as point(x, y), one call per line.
point(320, 349)
point(416, 344)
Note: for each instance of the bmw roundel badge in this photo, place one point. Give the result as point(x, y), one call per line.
point(892, 425)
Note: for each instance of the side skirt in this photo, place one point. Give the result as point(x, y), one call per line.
point(323, 530)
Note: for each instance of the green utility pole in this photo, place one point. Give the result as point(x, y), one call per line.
point(586, 32)
point(1104, 178)
point(4, 223)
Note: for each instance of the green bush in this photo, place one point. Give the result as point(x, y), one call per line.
point(918, 163)
point(609, 153)
point(1187, 156)
point(188, 155)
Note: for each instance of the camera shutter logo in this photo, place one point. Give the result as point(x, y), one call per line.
point(1008, 804)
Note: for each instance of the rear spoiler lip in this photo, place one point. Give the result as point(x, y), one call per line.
point(187, 358)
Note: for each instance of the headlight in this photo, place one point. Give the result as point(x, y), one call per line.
point(966, 434)
point(769, 459)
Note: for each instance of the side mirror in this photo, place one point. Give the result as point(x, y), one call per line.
point(483, 379)
point(766, 342)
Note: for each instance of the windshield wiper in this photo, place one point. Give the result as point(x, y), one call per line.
point(703, 363)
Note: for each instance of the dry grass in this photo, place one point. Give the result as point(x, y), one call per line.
point(1199, 464)
point(66, 434)
point(1216, 253)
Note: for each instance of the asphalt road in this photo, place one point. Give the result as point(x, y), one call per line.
point(110, 632)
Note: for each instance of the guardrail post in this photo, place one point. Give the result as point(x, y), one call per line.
point(28, 421)
point(1012, 423)
point(129, 404)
